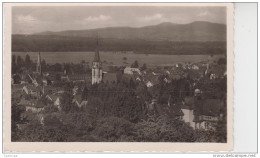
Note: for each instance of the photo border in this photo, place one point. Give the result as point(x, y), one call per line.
point(9, 146)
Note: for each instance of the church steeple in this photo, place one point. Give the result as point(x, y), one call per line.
point(38, 65)
point(96, 67)
point(97, 58)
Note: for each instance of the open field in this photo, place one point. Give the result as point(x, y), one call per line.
point(117, 58)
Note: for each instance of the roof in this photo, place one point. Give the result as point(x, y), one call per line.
point(83, 103)
point(97, 57)
point(53, 97)
point(77, 98)
point(210, 107)
point(24, 102)
point(77, 77)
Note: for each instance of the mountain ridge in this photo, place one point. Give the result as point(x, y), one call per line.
point(195, 31)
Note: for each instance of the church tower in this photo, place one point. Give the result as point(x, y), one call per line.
point(38, 65)
point(96, 68)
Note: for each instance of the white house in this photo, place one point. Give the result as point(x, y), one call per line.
point(188, 116)
point(195, 67)
point(138, 79)
point(130, 71)
point(149, 84)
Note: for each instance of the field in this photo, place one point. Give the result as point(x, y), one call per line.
point(118, 58)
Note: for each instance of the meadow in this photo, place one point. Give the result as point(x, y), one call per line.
point(118, 58)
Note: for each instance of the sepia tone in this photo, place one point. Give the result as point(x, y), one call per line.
point(126, 73)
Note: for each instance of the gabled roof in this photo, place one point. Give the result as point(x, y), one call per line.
point(83, 103)
point(24, 102)
point(53, 97)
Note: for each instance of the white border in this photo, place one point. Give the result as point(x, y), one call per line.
point(118, 147)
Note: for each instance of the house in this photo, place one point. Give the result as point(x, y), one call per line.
point(212, 76)
point(65, 78)
point(77, 100)
point(197, 92)
point(55, 99)
point(75, 90)
point(57, 102)
point(35, 107)
point(166, 80)
point(195, 67)
point(149, 84)
point(152, 106)
point(44, 82)
point(24, 102)
point(79, 77)
point(187, 107)
point(24, 82)
point(138, 79)
point(83, 103)
point(188, 115)
point(130, 71)
point(208, 114)
point(203, 115)
point(175, 76)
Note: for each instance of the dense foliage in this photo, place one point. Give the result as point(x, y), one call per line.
point(24, 43)
point(116, 111)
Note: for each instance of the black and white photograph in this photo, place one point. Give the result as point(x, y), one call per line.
point(119, 73)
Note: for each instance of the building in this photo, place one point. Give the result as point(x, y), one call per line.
point(208, 114)
point(201, 115)
point(131, 71)
point(187, 108)
point(38, 65)
point(96, 68)
point(78, 77)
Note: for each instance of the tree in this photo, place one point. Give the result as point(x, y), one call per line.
point(67, 97)
point(17, 79)
point(85, 93)
point(58, 77)
point(222, 61)
point(144, 67)
point(57, 67)
point(20, 61)
point(27, 61)
point(135, 64)
point(43, 64)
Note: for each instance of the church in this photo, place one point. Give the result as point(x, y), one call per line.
point(97, 74)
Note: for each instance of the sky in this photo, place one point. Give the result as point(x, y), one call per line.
point(35, 19)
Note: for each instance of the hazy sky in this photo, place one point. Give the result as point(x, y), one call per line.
point(26, 20)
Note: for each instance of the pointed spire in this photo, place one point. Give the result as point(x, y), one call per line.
point(38, 66)
point(97, 58)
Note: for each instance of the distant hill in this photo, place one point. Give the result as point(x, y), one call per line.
point(165, 38)
point(195, 31)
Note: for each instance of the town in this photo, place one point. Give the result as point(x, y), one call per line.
point(99, 101)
